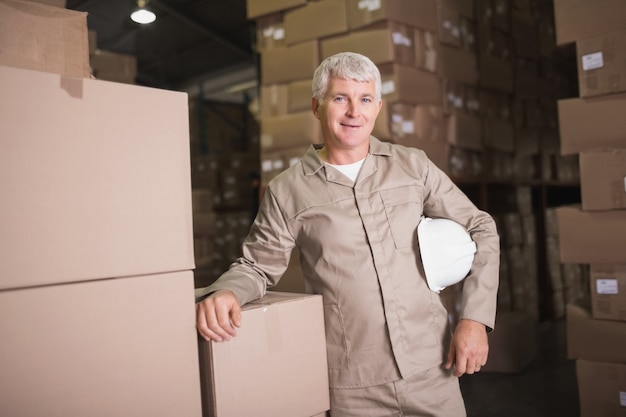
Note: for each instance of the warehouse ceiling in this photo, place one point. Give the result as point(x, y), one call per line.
point(193, 44)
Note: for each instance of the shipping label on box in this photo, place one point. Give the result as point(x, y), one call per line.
point(608, 291)
point(277, 362)
point(602, 64)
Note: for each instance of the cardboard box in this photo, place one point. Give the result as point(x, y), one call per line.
point(429, 122)
point(592, 339)
point(395, 122)
point(601, 389)
point(603, 179)
point(384, 44)
point(526, 142)
point(449, 24)
point(495, 73)
point(592, 237)
point(464, 130)
point(270, 32)
point(280, 349)
point(256, 8)
point(94, 178)
point(581, 19)
point(410, 85)
point(119, 347)
point(525, 35)
point(299, 95)
point(291, 130)
point(513, 343)
point(458, 65)
point(592, 123)
point(274, 100)
point(44, 38)
point(290, 63)
point(420, 14)
point(303, 24)
point(55, 3)
point(92, 37)
point(499, 134)
point(526, 83)
point(426, 51)
point(112, 66)
point(285, 98)
point(274, 162)
point(602, 64)
point(608, 291)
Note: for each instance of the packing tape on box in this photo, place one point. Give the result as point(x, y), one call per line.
point(273, 329)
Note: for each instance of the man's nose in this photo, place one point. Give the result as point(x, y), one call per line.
point(353, 109)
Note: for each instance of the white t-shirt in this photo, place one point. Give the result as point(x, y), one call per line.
point(349, 170)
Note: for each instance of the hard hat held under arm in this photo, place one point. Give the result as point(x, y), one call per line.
point(447, 252)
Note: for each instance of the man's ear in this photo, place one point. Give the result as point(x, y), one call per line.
point(315, 105)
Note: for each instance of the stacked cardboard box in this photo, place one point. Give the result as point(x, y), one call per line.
point(593, 232)
point(567, 281)
point(277, 362)
point(96, 255)
point(113, 66)
point(518, 245)
point(224, 173)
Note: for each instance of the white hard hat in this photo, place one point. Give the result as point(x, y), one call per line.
point(447, 252)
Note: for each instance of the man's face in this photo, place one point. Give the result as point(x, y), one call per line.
point(347, 114)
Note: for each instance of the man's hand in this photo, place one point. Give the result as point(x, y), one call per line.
point(218, 316)
point(469, 348)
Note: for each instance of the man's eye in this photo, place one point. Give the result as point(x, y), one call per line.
point(340, 99)
point(367, 100)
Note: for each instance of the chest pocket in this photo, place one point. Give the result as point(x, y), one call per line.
point(403, 208)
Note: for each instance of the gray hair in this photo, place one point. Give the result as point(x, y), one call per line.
point(349, 66)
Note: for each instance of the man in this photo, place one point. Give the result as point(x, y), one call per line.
point(352, 206)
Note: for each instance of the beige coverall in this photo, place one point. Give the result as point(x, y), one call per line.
point(359, 250)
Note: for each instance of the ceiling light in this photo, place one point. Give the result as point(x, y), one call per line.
point(142, 14)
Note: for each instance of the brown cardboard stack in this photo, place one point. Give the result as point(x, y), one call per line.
point(224, 172)
point(592, 128)
point(518, 246)
point(567, 280)
point(96, 259)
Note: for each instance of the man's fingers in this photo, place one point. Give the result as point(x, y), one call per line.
point(202, 326)
point(235, 316)
point(218, 315)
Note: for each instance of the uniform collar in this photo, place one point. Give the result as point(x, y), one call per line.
point(311, 162)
